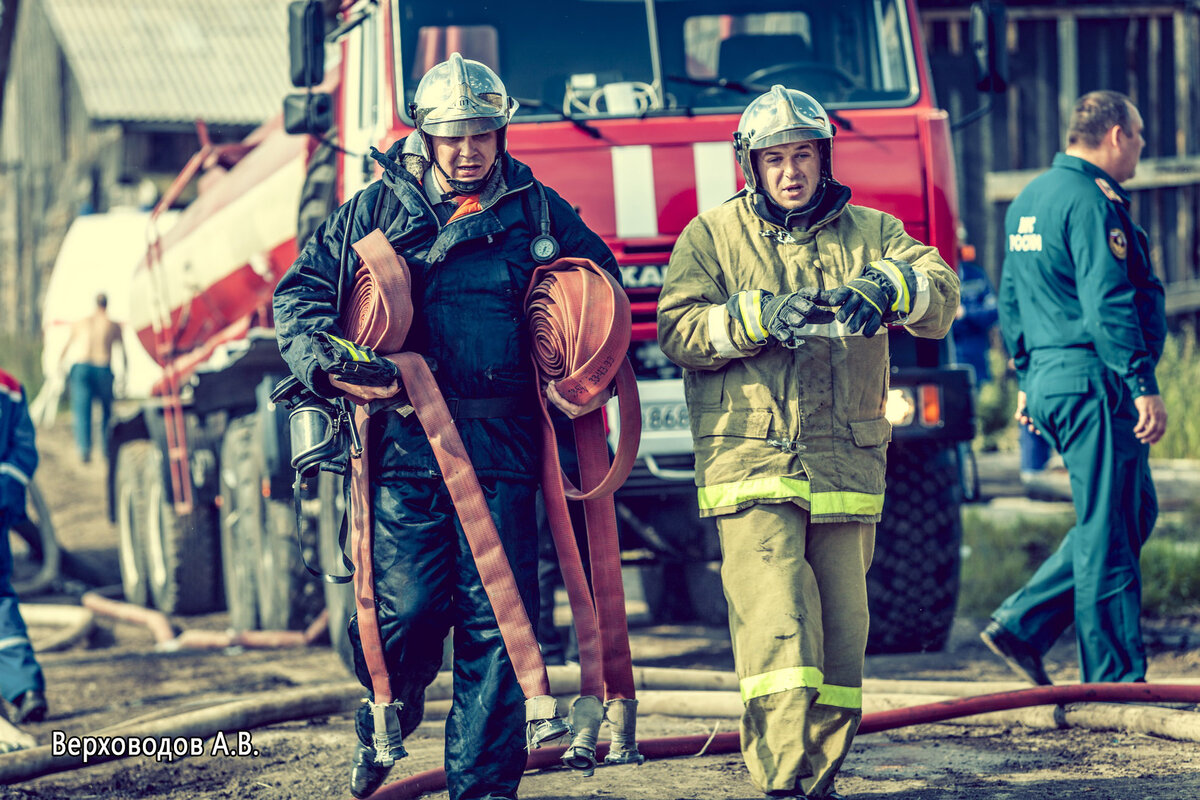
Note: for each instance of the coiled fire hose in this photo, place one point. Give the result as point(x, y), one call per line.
point(580, 324)
point(378, 317)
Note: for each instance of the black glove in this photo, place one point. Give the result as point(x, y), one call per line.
point(882, 293)
point(352, 363)
point(782, 316)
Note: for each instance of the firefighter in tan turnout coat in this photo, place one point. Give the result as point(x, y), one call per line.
point(787, 412)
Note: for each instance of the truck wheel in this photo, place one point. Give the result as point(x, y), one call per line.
point(133, 514)
point(339, 597)
point(288, 596)
point(912, 586)
point(241, 517)
point(318, 196)
point(181, 551)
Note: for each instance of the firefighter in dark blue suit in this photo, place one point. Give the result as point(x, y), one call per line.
point(1082, 313)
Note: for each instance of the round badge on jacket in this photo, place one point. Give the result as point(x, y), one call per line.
point(1116, 243)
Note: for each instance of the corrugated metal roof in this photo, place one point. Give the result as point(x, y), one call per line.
point(224, 61)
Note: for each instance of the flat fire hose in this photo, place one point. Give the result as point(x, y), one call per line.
point(580, 322)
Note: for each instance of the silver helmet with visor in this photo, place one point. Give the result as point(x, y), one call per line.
point(461, 97)
point(781, 116)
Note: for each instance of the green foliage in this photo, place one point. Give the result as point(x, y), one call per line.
point(23, 358)
point(1178, 377)
point(1000, 555)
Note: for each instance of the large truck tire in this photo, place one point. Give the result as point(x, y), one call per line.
point(181, 550)
point(318, 196)
point(289, 598)
point(912, 586)
point(241, 518)
point(133, 518)
point(339, 597)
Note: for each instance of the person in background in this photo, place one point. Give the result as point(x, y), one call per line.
point(91, 378)
point(21, 679)
point(787, 411)
point(1083, 315)
point(976, 316)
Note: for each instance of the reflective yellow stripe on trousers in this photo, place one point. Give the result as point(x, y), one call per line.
point(727, 495)
point(782, 680)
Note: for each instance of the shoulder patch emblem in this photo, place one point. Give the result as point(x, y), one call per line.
point(1109, 191)
point(1116, 243)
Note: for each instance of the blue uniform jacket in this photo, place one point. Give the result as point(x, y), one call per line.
point(1077, 273)
point(469, 282)
point(18, 447)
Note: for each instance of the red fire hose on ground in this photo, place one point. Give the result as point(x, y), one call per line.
point(679, 746)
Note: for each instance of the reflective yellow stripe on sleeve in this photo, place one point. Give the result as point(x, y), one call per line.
point(726, 495)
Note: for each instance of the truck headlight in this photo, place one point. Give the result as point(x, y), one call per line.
point(901, 407)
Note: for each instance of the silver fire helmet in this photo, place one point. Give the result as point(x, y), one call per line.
point(461, 97)
point(781, 116)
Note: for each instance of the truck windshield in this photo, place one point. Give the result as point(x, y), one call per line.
point(593, 58)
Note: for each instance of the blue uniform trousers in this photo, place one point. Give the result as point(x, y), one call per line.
point(1094, 579)
point(426, 582)
point(19, 670)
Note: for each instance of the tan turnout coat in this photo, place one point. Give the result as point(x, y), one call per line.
point(777, 425)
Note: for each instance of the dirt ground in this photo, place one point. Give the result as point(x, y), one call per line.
point(117, 676)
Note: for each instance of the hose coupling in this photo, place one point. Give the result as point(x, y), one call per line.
point(386, 739)
point(542, 722)
point(622, 720)
point(585, 717)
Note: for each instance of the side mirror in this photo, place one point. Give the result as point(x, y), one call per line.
point(988, 40)
point(306, 42)
point(311, 112)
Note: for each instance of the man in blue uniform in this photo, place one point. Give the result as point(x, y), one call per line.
point(21, 679)
point(1082, 313)
point(466, 217)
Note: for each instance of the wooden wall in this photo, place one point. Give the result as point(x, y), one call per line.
point(1056, 52)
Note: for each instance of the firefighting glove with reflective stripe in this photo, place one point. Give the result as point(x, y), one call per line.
point(762, 313)
point(884, 292)
point(352, 363)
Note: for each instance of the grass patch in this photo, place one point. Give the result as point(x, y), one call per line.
point(1000, 555)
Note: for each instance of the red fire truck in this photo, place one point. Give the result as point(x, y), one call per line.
point(627, 108)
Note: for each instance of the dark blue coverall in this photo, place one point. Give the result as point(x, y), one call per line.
point(19, 669)
point(1083, 315)
point(469, 280)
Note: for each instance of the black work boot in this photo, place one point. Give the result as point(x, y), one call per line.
point(365, 775)
point(31, 706)
point(1020, 656)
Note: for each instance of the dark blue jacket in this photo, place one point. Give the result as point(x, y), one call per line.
point(469, 282)
point(1077, 273)
point(18, 446)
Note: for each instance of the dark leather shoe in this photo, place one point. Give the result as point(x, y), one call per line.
point(1017, 653)
point(365, 775)
point(31, 706)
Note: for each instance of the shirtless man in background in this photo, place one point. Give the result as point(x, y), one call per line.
point(91, 378)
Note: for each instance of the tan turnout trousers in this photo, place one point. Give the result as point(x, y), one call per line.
point(797, 599)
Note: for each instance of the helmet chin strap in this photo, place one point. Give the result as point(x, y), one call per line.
point(466, 187)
